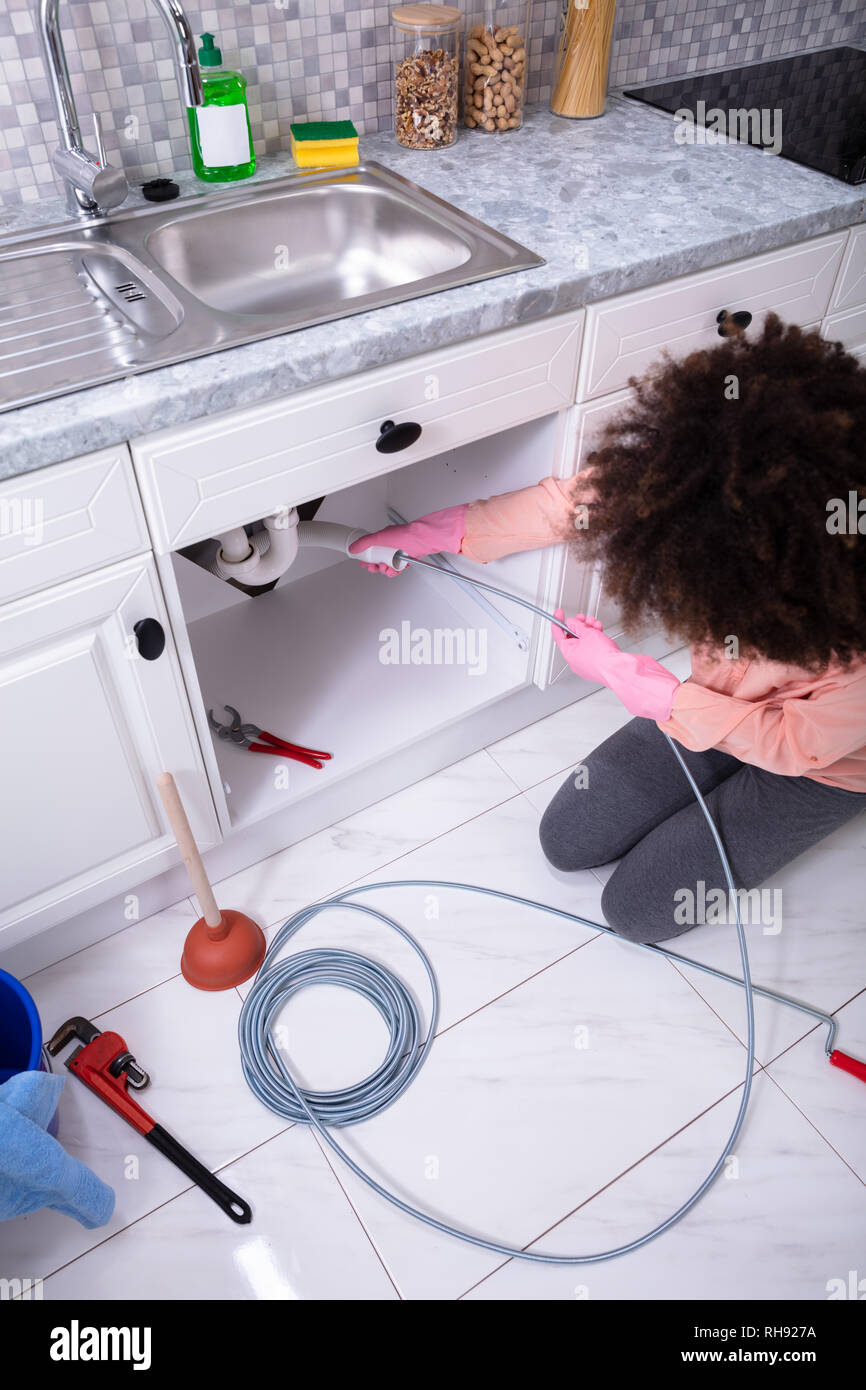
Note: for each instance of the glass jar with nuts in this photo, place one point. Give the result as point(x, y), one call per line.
point(495, 68)
point(426, 75)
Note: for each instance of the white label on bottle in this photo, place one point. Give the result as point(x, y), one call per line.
point(223, 135)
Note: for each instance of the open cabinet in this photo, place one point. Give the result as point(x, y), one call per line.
point(355, 663)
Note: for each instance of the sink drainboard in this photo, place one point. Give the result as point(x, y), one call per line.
point(65, 316)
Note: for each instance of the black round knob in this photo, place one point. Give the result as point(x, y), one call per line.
point(393, 438)
point(732, 323)
point(150, 637)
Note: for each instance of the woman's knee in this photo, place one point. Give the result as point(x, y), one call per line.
point(633, 907)
point(565, 838)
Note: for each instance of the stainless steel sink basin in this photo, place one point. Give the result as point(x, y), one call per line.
point(147, 287)
point(305, 247)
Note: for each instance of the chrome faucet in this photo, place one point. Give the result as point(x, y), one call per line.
point(93, 185)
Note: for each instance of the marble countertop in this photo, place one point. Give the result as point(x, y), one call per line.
point(613, 205)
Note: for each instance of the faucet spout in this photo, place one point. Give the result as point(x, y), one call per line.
point(93, 185)
point(185, 51)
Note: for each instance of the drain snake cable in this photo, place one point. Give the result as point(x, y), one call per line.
point(270, 1078)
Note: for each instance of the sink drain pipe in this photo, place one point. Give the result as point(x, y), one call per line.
point(269, 1075)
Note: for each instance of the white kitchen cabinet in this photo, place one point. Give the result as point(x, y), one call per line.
point(88, 724)
point(626, 334)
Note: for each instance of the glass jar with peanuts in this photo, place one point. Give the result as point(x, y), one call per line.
point(426, 75)
point(495, 68)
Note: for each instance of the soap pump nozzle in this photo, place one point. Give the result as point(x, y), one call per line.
point(209, 55)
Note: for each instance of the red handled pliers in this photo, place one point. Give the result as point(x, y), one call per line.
point(246, 736)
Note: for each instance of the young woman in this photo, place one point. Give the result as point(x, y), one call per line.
point(728, 504)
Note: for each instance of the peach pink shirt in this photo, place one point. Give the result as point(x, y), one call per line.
point(777, 717)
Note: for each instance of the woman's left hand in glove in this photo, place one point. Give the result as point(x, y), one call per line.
point(642, 684)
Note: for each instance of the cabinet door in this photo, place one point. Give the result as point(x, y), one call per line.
point(850, 291)
point(849, 329)
point(88, 723)
point(572, 584)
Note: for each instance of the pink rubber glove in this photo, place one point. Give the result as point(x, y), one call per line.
point(645, 688)
point(439, 532)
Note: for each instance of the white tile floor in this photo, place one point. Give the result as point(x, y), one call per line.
point(577, 1092)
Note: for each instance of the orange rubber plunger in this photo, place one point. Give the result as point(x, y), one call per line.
point(223, 948)
point(220, 957)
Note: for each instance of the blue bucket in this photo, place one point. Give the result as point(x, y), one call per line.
point(20, 1030)
point(21, 1035)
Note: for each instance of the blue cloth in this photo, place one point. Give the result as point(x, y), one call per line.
point(36, 1171)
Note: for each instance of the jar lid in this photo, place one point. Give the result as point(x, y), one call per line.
point(427, 19)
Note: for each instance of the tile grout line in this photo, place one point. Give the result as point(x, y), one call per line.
point(557, 772)
point(832, 1147)
point(378, 1253)
point(787, 1048)
point(762, 1068)
point(169, 907)
point(168, 1201)
point(810, 1031)
point(605, 1186)
point(734, 1034)
point(518, 984)
point(359, 880)
point(337, 824)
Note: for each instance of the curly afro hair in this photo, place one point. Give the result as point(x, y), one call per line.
point(711, 495)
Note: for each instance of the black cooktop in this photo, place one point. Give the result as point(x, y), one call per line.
point(821, 97)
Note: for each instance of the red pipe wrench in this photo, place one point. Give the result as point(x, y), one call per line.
point(105, 1064)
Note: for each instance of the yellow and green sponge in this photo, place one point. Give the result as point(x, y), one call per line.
point(324, 144)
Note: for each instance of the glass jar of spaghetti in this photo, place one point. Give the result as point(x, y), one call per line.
point(583, 58)
point(426, 75)
point(495, 68)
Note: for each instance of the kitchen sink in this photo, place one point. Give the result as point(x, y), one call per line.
point(302, 248)
point(146, 287)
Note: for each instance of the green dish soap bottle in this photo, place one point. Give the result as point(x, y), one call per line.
point(222, 142)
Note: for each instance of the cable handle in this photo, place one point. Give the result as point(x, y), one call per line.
point(377, 554)
point(849, 1064)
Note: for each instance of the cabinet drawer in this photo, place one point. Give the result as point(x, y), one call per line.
point(850, 290)
point(199, 480)
point(849, 330)
point(624, 335)
point(59, 522)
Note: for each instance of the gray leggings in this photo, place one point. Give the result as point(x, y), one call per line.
point(637, 806)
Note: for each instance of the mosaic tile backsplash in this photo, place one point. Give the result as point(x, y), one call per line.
point(327, 59)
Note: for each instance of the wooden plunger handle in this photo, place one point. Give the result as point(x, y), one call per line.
point(189, 850)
